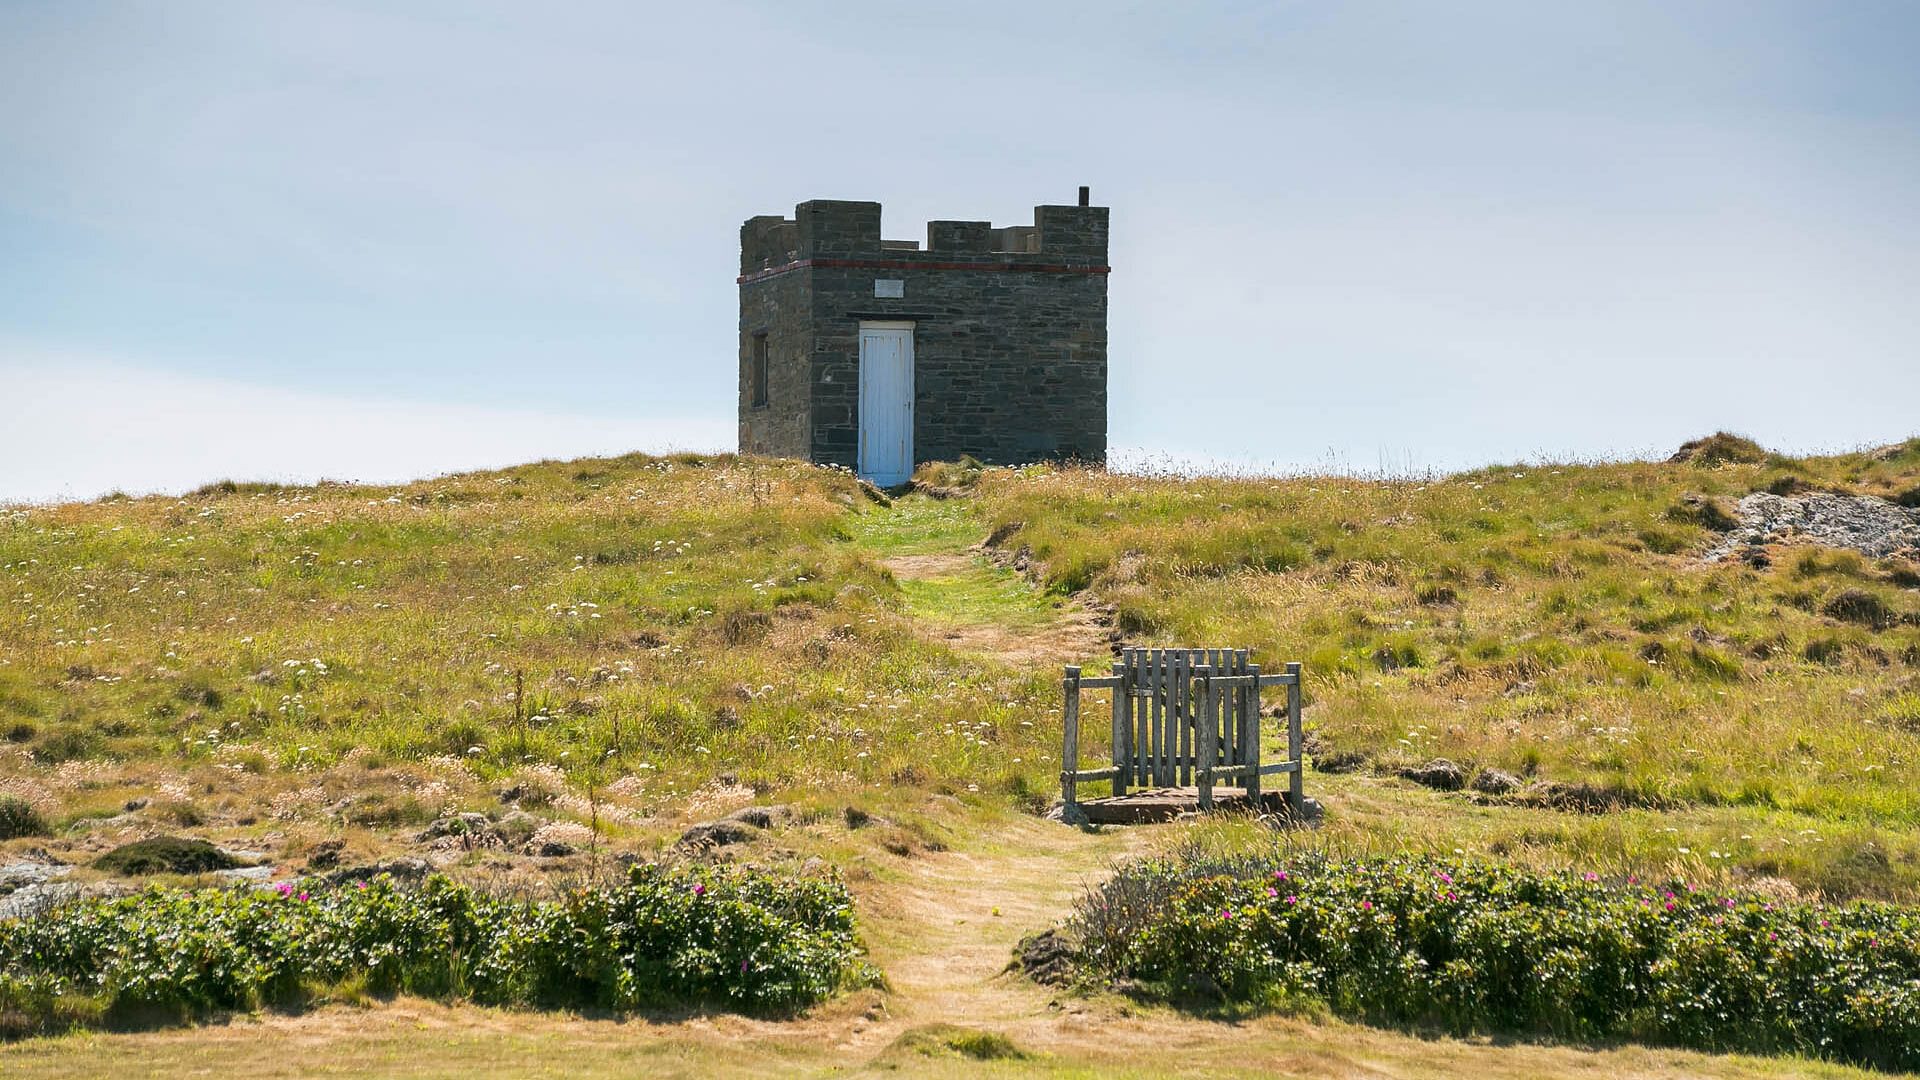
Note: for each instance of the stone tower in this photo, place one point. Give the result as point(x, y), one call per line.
point(880, 354)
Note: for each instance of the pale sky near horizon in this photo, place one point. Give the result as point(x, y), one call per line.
point(382, 240)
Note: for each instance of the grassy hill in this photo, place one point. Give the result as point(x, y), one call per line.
point(612, 650)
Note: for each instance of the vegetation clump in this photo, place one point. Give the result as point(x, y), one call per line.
point(1862, 607)
point(18, 818)
point(1719, 448)
point(1468, 946)
point(732, 938)
point(166, 855)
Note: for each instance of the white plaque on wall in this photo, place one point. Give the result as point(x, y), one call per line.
point(889, 288)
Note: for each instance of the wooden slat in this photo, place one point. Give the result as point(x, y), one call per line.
point(1088, 776)
point(1179, 713)
point(1251, 694)
point(1100, 682)
point(1280, 767)
point(1204, 733)
point(1143, 719)
point(1158, 720)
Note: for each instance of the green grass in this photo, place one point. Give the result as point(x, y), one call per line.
point(671, 620)
point(252, 655)
point(983, 594)
point(916, 525)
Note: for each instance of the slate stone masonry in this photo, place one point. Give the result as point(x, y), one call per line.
point(1010, 332)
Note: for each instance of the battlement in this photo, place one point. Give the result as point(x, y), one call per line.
point(1070, 236)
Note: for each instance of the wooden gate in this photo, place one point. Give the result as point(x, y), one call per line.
point(1184, 717)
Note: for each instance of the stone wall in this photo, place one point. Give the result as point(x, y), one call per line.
point(781, 308)
point(1010, 347)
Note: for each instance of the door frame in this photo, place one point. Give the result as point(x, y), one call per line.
point(860, 360)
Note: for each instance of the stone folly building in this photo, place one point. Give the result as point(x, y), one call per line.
point(879, 354)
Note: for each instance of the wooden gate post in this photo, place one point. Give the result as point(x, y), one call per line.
point(1122, 727)
point(1296, 781)
point(1070, 751)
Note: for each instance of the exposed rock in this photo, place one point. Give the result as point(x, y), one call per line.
point(32, 886)
point(1311, 811)
point(1046, 957)
point(28, 873)
point(259, 875)
point(407, 870)
point(325, 855)
point(1439, 774)
point(1495, 782)
point(716, 834)
point(1873, 527)
point(467, 830)
point(760, 817)
point(1340, 761)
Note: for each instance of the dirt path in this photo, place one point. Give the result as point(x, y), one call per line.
point(1053, 632)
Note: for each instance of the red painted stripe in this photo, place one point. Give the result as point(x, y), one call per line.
point(901, 264)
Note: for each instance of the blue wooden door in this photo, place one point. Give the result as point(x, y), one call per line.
point(886, 403)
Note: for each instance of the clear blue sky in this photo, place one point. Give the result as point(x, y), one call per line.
point(376, 240)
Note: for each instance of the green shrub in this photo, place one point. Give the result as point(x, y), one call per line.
point(18, 818)
point(1468, 946)
point(666, 937)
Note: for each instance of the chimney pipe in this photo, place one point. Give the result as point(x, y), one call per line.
point(1086, 195)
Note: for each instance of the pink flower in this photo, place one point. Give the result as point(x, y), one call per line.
point(1729, 901)
point(743, 967)
point(1366, 905)
point(1591, 876)
point(1293, 899)
point(1446, 877)
point(1271, 891)
point(699, 890)
point(1633, 879)
point(1450, 896)
point(1669, 905)
point(284, 888)
point(303, 897)
point(1771, 936)
point(1226, 913)
point(359, 884)
point(1280, 875)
